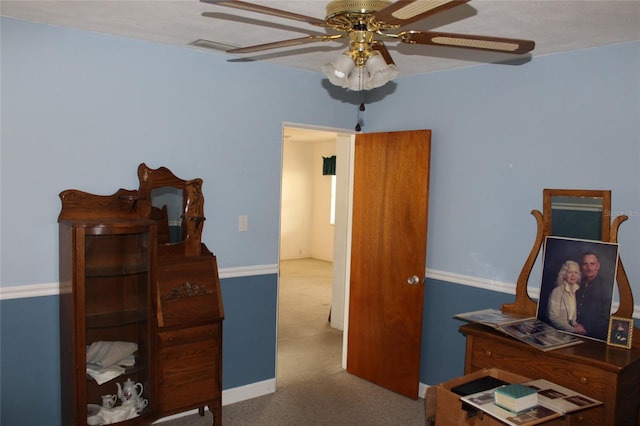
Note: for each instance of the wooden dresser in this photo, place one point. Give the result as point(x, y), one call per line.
point(606, 373)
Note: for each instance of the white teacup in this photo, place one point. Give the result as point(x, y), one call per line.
point(141, 404)
point(109, 401)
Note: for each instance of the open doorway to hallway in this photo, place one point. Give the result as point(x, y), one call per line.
point(307, 342)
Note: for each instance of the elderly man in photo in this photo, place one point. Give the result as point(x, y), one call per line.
point(594, 298)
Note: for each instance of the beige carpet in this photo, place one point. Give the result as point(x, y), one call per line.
point(312, 388)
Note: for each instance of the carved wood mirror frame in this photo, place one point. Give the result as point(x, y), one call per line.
point(193, 211)
point(524, 304)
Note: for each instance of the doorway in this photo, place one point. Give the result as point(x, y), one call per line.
point(309, 252)
point(398, 251)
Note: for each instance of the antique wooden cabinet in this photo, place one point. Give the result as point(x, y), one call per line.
point(107, 277)
point(135, 279)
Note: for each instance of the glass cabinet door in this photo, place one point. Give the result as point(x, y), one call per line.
point(115, 303)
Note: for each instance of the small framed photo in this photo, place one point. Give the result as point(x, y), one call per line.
point(620, 332)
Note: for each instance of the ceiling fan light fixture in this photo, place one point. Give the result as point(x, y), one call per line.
point(338, 72)
point(375, 72)
point(358, 80)
point(380, 73)
point(343, 66)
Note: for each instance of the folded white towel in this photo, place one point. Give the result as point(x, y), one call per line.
point(103, 354)
point(129, 361)
point(117, 414)
point(103, 375)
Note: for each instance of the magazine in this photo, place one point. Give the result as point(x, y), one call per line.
point(540, 334)
point(553, 401)
point(491, 317)
point(529, 330)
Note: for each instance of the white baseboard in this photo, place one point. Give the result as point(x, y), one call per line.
point(252, 390)
point(422, 390)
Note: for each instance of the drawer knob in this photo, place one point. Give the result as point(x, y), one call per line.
point(583, 380)
point(488, 353)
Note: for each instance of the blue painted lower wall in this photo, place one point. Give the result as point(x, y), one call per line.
point(29, 348)
point(443, 346)
point(30, 360)
point(29, 342)
point(249, 330)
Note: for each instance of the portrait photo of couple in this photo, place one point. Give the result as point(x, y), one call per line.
point(578, 283)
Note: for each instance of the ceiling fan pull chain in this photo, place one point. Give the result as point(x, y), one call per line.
point(360, 109)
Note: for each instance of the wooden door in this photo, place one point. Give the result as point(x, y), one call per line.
point(389, 244)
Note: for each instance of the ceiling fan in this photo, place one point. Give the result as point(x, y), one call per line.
point(367, 23)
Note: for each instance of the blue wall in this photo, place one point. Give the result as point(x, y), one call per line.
point(82, 110)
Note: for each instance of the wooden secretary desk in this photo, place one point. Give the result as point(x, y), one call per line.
point(606, 373)
point(135, 275)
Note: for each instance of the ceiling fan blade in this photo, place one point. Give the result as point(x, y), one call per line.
point(403, 12)
point(286, 43)
point(251, 7)
point(251, 21)
point(467, 41)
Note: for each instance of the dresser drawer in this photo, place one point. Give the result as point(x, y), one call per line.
point(589, 417)
point(592, 382)
point(190, 367)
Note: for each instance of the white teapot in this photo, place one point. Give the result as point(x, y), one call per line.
point(129, 393)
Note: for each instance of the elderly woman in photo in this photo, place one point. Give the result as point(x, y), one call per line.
point(561, 308)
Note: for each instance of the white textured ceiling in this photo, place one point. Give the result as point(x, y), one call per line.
point(555, 26)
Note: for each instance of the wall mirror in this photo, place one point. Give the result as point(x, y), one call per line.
point(178, 207)
point(577, 213)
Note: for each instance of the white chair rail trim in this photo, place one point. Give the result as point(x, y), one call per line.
point(52, 289)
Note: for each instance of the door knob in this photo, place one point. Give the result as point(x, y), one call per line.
point(414, 280)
